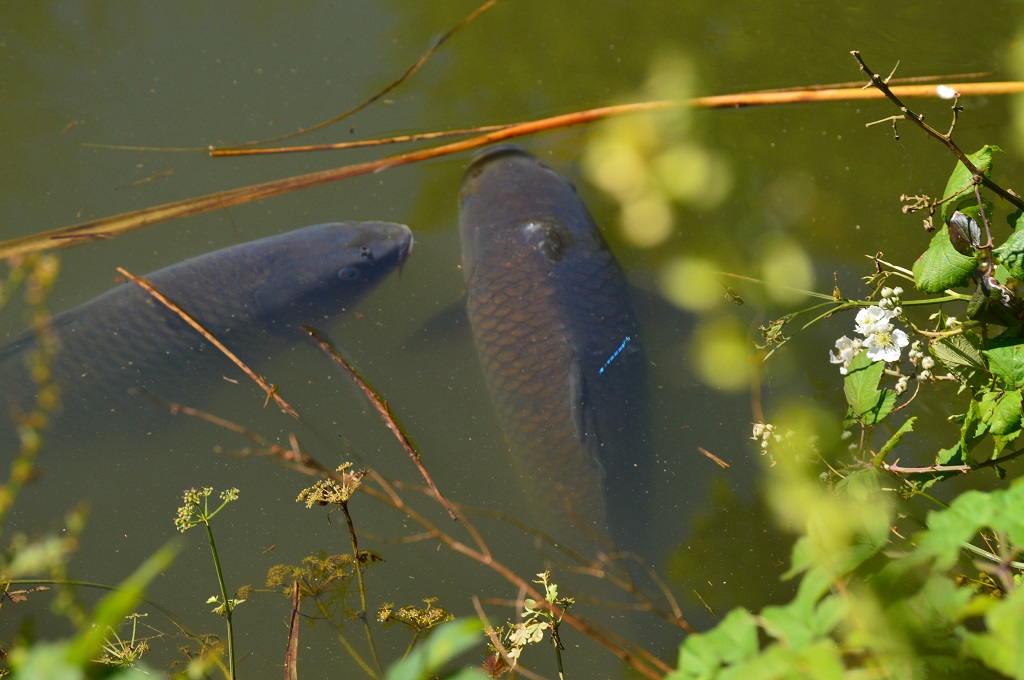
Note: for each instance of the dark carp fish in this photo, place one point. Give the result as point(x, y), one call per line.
point(558, 342)
point(252, 297)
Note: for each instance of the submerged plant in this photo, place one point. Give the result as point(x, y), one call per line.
point(337, 491)
point(419, 619)
point(124, 653)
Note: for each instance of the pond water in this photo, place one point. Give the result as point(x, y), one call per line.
point(809, 179)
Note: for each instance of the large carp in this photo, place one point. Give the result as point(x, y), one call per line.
point(252, 297)
point(559, 345)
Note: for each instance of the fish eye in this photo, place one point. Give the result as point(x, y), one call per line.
point(549, 236)
point(348, 273)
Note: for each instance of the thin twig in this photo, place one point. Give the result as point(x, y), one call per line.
point(106, 227)
point(401, 79)
point(991, 462)
point(271, 390)
point(358, 144)
point(384, 410)
point(291, 655)
point(638, 658)
point(918, 120)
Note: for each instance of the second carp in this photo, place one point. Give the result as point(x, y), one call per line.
point(559, 345)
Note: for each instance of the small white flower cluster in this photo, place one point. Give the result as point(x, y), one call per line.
point(891, 299)
point(765, 435)
point(882, 340)
point(924, 362)
point(768, 437)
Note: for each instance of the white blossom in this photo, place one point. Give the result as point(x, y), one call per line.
point(873, 318)
point(886, 344)
point(847, 350)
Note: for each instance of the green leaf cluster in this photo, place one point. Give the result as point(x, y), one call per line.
point(907, 616)
point(878, 595)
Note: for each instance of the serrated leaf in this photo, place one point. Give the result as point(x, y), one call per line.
point(954, 455)
point(962, 179)
point(893, 441)
point(961, 355)
point(1015, 218)
point(1006, 361)
point(1001, 410)
point(972, 429)
point(1011, 253)
point(1001, 442)
point(963, 349)
point(941, 266)
point(950, 528)
point(868, 404)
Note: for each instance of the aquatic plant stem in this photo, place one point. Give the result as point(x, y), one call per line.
point(228, 605)
point(558, 650)
point(345, 643)
point(412, 642)
point(362, 590)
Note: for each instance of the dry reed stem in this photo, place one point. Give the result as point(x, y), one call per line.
point(271, 390)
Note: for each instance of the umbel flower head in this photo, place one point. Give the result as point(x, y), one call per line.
point(882, 340)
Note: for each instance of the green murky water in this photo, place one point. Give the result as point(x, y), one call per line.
point(807, 179)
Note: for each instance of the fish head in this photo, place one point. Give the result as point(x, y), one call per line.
point(509, 198)
point(316, 273)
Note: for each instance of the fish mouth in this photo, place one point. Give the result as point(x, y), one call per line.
point(405, 250)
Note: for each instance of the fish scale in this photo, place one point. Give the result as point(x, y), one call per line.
point(252, 297)
point(549, 304)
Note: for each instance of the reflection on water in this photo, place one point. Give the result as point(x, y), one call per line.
point(812, 175)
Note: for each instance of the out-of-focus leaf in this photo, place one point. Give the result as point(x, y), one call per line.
point(50, 661)
point(730, 642)
point(962, 179)
point(941, 266)
point(999, 646)
point(446, 642)
point(1001, 511)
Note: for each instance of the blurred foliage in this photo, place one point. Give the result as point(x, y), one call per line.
point(882, 591)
